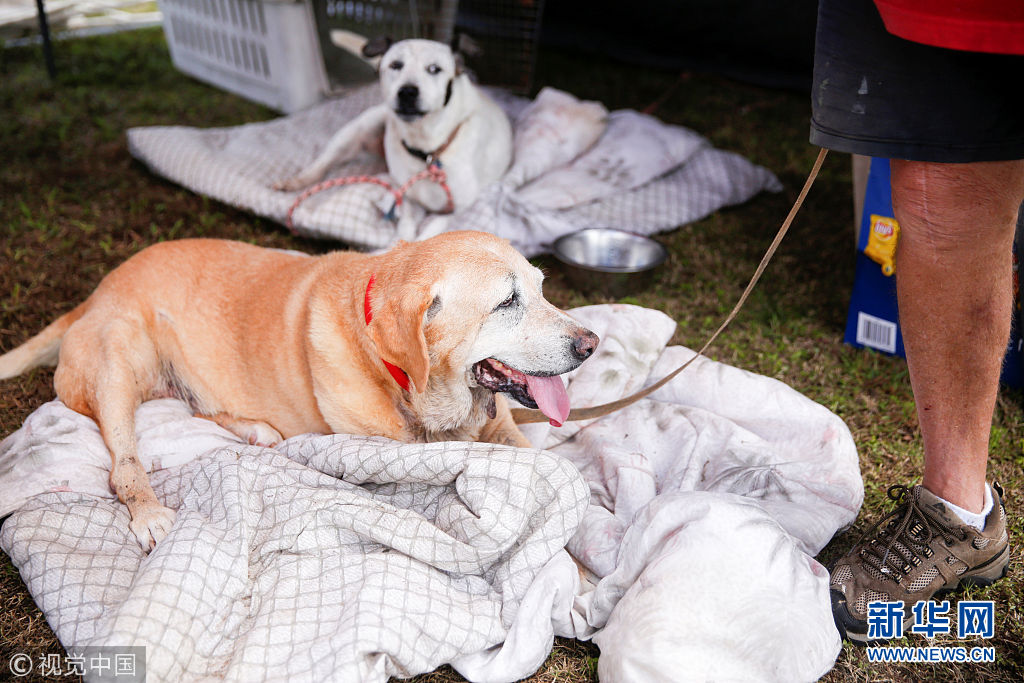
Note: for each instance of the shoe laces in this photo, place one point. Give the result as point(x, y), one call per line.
point(911, 527)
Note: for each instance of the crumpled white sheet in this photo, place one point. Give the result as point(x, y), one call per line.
point(337, 557)
point(707, 503)
point(640, 175)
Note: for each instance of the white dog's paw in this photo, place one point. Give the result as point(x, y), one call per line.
point(151, 524)
point(406, 227)
point(433, 226)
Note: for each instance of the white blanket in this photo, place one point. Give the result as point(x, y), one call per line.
point(351, 558)
point(641, 175)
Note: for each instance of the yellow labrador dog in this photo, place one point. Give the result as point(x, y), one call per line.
point(414, 344)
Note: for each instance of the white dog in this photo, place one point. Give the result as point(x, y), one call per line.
point(432, 112)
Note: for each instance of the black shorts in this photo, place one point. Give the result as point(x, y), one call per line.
point(879, 95)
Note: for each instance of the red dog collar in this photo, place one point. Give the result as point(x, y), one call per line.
point(398, 373)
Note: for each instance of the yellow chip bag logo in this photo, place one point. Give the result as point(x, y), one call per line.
point(882, 239)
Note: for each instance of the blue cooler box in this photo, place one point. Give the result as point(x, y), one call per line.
point(1013, 366)
point(873, 319)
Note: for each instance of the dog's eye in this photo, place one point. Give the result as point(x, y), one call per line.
point(507, 302)
point(433, 69)
point(396, 65)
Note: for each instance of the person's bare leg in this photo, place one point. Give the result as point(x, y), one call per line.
point(953, 268)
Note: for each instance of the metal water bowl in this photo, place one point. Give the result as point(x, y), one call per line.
point(612, 262)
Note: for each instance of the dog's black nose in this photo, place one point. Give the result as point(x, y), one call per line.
point(583, 344)
point(408, 94)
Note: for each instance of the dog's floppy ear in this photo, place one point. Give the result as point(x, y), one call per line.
point(463, 46)
point(375, 47)
point(396, 325)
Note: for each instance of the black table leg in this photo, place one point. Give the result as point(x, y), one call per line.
point(44, 30)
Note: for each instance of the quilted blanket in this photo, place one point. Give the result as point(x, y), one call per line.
point(570, 172)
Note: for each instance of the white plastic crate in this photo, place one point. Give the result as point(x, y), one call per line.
point(264, 50)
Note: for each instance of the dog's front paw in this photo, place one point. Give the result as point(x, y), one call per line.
point(151, 524)
point(259, 434)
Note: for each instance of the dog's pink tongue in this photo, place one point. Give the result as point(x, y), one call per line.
point(549, 393)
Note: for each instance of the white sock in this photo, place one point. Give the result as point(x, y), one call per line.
point(974, 519)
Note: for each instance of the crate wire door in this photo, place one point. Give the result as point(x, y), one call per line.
point(279, 52)
point(398, 19)
point(506, 30)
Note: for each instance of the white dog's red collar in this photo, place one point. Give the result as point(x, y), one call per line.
point(431, 157)
point(398, 373)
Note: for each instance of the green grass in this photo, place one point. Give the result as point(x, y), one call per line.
point(73, 204)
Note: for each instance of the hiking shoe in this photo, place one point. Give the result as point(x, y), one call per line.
point(919, 551)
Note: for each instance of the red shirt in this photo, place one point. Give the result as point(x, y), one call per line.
point(976, 25)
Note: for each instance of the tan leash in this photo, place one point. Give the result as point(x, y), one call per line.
point(525, 415)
